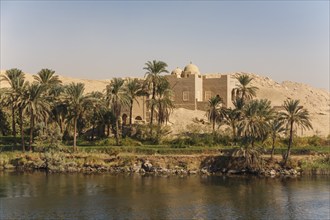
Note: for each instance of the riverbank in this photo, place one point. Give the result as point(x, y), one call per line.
point(205, 164)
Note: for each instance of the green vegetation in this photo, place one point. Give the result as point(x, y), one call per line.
point(55, 116)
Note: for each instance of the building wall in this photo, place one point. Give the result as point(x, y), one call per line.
point(217, 86)
point(139, 110)
point(181, 85)
point(198, 87)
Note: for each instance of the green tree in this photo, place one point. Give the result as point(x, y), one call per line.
point(52, 88)
point(96, 112)
point(276, 127)
point(244, 90)
point(15, 78)
point(134, 89)
point(233, 116)
point(36, 105)
point(4, 125)
point(154, 69)
point(47, 78)
point(117, 98)
point(163, 100)
point(77, 103)
point(292, 115)
point(255, 120)
point(214, 110)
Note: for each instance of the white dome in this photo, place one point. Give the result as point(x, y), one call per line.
point(177, 72)
point(192, 69)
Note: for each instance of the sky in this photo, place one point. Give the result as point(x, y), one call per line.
point(283, 40)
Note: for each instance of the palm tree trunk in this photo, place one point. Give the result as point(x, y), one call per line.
point(234, 133)
point(21, 128)
point(74, 134)
point(290, 144)
point(213, 125)
point(108, 129)
point(117, 132)
point(93, 130)
point(160, 114)
point(273, 148)
point(152, 105)
point(13, 123)
point(61, 125)
point(130, 113)
point(31, 130)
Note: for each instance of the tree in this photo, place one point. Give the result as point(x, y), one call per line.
point(233, 116)
point(163, 100)
point(243, 90)
point(253, 126)
point(47, 79)
point(154, 69)
point(4, 125)
point(51, 85)
point(116, 97)
point(294, 114)
point(134, 90)
point(77, 102)
point(15, 78)
point(214, 110)
point(276, 128)
point(255, 120)
point(36, 106)
point(97, 110)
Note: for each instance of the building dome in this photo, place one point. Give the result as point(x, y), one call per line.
point(177, 72)
point(191, 69)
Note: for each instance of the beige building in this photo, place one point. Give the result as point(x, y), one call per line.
point(191, 90)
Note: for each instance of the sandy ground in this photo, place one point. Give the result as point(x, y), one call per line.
point(317, 101)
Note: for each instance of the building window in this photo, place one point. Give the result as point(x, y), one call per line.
point(208, 95)
point(185, 96)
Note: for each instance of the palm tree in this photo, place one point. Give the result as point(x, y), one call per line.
point(51, 84)
point(15, 78)
point(163, 100)
point(213, 111)
point(254, 124)
point(117, 97)
point(243, 90)
point(233, 116)
point(154, 69)
point(77, 103)
point(294, 115)
point(47, 78)
point(97, 110)
point(134, 90)
point(276, 128)
point(36, 105)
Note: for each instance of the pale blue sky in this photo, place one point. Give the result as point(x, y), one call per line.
point(284, 40)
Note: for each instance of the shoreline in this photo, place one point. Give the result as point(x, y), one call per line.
point(199, 164)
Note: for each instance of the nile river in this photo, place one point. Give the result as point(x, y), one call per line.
point(78, 196)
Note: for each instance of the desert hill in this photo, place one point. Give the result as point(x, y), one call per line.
point(317, 101)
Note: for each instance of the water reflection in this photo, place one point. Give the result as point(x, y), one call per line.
point(37, 195)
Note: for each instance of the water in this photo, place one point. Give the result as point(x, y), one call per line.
point(78, 196)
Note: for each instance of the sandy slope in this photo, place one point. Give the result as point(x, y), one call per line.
point(317, 101)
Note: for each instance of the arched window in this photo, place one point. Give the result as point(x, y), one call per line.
point(138, 118)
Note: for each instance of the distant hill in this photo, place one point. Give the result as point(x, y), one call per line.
point(317, 101)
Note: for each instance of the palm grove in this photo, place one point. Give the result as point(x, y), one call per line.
point(47, 109)
point(46, 105)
